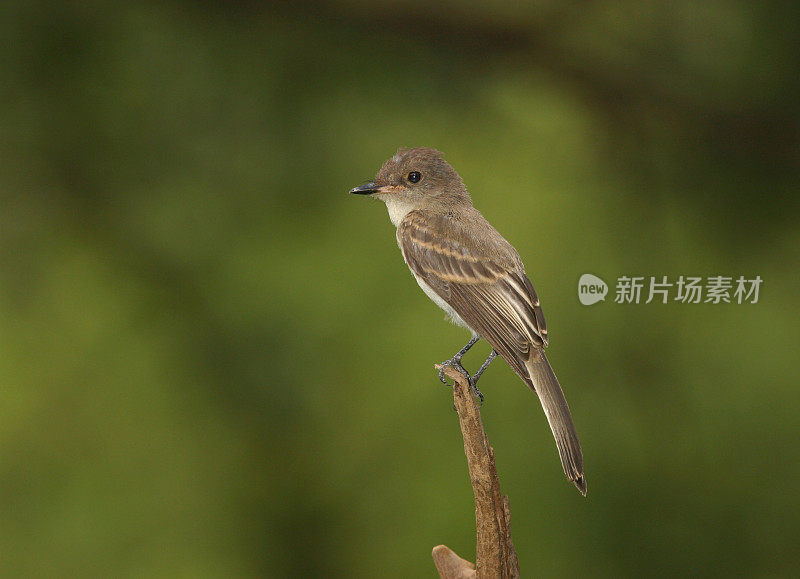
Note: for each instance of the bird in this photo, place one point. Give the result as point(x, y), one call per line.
point(468, 269)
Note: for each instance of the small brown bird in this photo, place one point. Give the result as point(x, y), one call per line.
point(470, 271)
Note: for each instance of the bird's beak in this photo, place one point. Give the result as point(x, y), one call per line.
point(368, 189)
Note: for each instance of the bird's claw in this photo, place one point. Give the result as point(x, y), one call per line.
point(473, 385)
point(472, 380)
point(452, 363)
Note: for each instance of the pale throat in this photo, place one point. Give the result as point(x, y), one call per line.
point(398, 208)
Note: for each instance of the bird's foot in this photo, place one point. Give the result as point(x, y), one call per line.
point(454, 362)
point(473, 385)
point(473, 380)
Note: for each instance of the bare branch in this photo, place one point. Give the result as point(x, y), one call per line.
point(495, 555)
point(450, 565)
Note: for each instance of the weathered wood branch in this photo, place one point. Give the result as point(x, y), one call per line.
point(495, 555)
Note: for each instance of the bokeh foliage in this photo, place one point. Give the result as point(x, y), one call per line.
point(214, 364)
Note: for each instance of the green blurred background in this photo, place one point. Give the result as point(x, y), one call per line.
point(214, 362)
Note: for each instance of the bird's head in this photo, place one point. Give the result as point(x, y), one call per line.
point(412, 177)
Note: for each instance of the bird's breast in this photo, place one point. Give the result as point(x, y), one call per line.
point(437, 299)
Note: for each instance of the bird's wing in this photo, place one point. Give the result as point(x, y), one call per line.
point(496, 300)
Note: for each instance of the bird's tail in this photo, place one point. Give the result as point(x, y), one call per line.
point(543, 381)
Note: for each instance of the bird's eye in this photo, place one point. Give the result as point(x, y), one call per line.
point(414, 176)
